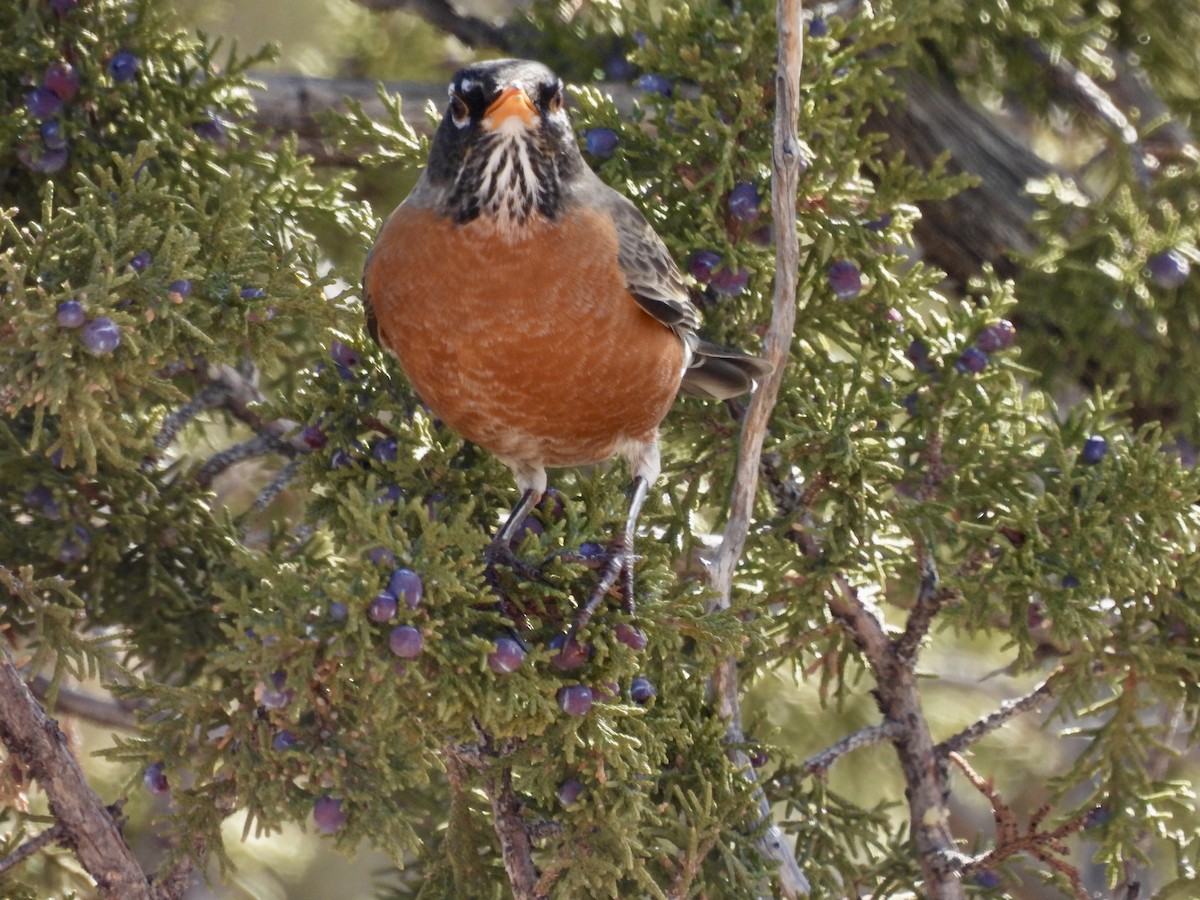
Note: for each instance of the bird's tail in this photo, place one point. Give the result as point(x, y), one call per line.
point(718, 373)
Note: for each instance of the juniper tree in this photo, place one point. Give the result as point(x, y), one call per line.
point(223, 502)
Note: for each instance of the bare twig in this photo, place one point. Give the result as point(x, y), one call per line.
point(91, 828)
point(786, 161)
point(94, 708)
point(820, 763)
point(281, 480)
point(471, 30)
point(1165, 135)
point(516, 848)
point(899, 700)
point(1087, 95)
point(1046, 846)
point(51, 835)
point(989, 723)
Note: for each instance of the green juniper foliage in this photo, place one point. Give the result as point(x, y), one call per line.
point(285, 669)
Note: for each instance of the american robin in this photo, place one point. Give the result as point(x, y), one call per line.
point(532, 307)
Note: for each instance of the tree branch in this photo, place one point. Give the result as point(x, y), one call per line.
point(471, 30)
point(899, 700)
point(51, 835)
point(989, 723)
point(1084, 93)
point(820, 763)
point(1046, 846)
point(91, 829)
point(785, 175)
point(515, 845)
point(88, 706)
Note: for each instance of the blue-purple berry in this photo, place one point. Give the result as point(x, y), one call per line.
point(382, 556)
point(845, 279)
point(283, 741)
point(702, 263)
point(70, 314)
point(62, 7)
point(74, 546)
point(879, 225)
point(252, 293)
point(141, 261)
point(655, 83)
point(972, 361)
point(1094, 449)
point(390, 493)
point(641, 690)
point(572, 653)
point(744, 202)
point(569, 791)
point(575, 699)
point(1097, 817)
point(328, 814)
point(385, 450)
point(407, 585)
point(341, 458)
point(123, 66)
point(406, 641)
point(730, 282)
point(1169, 269)
point(988, 879)
point(43, 103)
point(345, 355)
point(507, 657)
point(211, 128)
point(1070, 581)
point(155, 779)
point(101, 335)
point(181, 288)
point(41, 499)
point(592, 551)
point(758, 757)
point(918, 355)
point(63, 79)
point(313, 437)
point(619, 68)
point(818, 27)
point(631, 636)
point(52, 135)
point(338, 611)
point(997, 336)
point(273, 693)
point(40, 158)
point(601, 142)
point(382, 607)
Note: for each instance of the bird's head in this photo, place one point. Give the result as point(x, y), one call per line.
point(504, 150)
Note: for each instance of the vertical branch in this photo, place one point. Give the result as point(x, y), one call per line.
point(785, 179)
point(515, 846)
point(88, 826)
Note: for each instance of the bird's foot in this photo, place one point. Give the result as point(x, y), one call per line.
point(499, 553)
point(616, 571)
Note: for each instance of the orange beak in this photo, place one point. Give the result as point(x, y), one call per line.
point(512, 102)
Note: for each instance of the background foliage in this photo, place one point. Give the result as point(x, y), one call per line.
point(1022, 498)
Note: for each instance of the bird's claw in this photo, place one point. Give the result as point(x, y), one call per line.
point(617, 567)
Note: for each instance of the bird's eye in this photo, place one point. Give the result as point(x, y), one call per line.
point(458, 109)
point(556, 100)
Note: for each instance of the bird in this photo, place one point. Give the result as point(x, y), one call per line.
point(533, 308)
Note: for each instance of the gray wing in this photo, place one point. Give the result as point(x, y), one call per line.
point(650, 274)
point(714, 372)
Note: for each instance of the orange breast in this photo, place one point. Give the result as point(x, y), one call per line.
point(530, 347)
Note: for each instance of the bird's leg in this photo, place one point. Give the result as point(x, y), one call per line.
point(620, 560)
point(500, 549)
